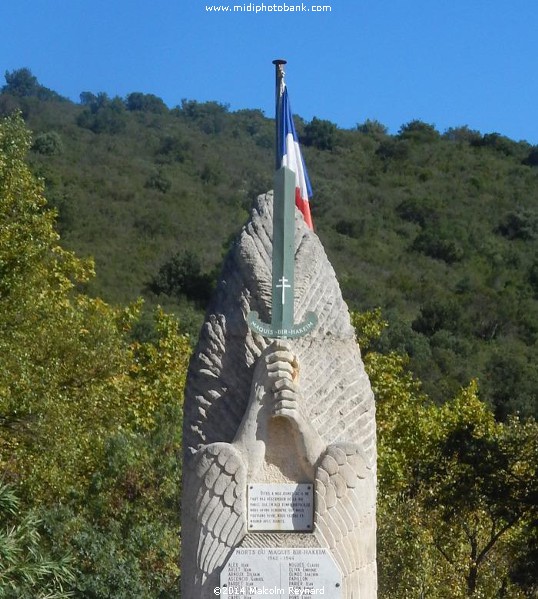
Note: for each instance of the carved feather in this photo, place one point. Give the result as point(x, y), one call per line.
point(214, 498)
point(345, 513)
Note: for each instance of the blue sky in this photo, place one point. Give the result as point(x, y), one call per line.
point(446, 62)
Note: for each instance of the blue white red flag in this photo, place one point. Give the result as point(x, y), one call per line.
point(290, 156)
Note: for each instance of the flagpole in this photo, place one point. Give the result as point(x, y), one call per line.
point(282, 323)
point(279, 74)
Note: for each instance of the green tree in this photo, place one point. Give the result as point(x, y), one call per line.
point(210, 117)
point(457, 489)
point(373, 128)
point(532, 158)
point(182, 275)
point(103, 115)
point(419, 211)
point(145, 103)
point(464, 204)
point(462, 134)
point(321, 134)
point(51, 338)
point(519, 224)
point(173, 149)
point(438, 243)
point(23, 84)
point(500, 143)
point(89, 420)
point(49, 143)
point(418, 131)
point(158, 181)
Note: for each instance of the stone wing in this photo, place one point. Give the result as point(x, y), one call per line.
point(214, 520)
point(345, 516)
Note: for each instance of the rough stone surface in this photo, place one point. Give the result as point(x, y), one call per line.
point(277, 412)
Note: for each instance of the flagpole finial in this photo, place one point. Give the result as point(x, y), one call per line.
point(279, 83)
point(279, 66)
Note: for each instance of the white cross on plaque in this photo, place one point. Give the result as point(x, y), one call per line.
point(283, 283)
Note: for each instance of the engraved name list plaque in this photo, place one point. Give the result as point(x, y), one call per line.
point(284, 572)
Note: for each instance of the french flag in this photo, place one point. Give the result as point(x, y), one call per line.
point(289, 154)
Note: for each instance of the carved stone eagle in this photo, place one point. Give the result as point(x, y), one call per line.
point(262, 411)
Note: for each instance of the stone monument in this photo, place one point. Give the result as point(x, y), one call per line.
point(279, 468)
point(279, 473)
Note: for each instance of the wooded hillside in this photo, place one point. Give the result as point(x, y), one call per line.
point(440, 230)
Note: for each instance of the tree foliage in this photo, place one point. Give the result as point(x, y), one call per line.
point(182, 275)
point(457, 489)
point(103, 115)
point(49, 143)
point(27, 569)
point(418, 131)
point(76, 394)
point(145, 103)
point(321, 134)
point(23, 83)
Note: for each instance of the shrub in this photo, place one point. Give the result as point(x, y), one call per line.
point(103, 115)
point(27, 569)
point(48, 144)
point(418, 131)
point(321, 134)
point(159, 182)
point(182, 275)
point(145, 103)
point(436, 245)
point(519, 224)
